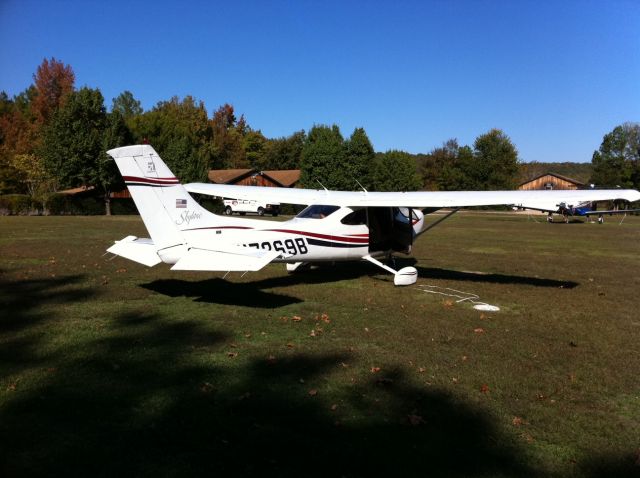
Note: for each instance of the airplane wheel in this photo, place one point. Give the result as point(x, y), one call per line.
point(601, 220)
point(228, 211)
point(260, 211)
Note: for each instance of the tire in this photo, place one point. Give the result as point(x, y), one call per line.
point(260, 211)
point(228, 211)
point(243, 213)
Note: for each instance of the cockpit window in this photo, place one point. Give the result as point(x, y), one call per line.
point(355, 218)
point(318, 211)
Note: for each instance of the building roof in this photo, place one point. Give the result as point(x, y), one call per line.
point(559, 176)
point(226, 176)
point(77, 190)
point(286, 177)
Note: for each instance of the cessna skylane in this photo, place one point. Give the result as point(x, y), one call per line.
point(335, 226)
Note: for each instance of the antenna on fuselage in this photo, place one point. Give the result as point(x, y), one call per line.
point(326, 190)
point(363, 188)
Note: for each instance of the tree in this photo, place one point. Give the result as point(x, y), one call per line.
point(107, 177)
point(126, 105)
point(323, 159)
point(359, 160)
point(283, 153)
point(496, 165)
point(30, 171)
point(395, 171)
point(181, 133)
point(431, 166)
point(459, 174)
point(254, 144)
point(54, 82)
point(617, 161)
point(228, 133)
point(74, 143)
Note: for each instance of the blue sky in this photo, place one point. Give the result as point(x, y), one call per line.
point(555, 76)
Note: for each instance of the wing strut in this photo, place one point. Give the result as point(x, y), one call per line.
point(435, 223)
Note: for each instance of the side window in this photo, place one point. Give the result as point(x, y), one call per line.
point(318, 211)
point(355, 218)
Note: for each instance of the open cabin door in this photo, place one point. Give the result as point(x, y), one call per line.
point(389, 229)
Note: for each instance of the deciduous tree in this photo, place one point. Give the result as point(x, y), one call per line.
point(396, 171)
point(181, 133)
point(617, 161)
point(359, 160)
point(496, 165)
point(126, 105)
point(323, 158)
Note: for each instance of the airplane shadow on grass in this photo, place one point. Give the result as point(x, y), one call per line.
point(253, 293)
point(220, 291)
point(447, 274)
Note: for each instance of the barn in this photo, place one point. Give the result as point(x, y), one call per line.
point(550, 181)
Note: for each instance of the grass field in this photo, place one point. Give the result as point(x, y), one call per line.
point(109, 368)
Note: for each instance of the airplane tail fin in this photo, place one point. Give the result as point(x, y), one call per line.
point(164, 204)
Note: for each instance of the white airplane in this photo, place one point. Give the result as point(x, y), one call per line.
point(336, 225)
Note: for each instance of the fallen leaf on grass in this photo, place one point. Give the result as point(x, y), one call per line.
point(479, 330)
point(447, 303)
point(484, 388)
point(517, 421)
point(334, 407)
point(121, 270)
point(290, 346)
point(232, 354)
point(375, 369)
point(313, 392)
point(271, 359)
point(422, 369)
point(296, 318)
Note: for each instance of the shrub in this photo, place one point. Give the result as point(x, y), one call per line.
point(15, 204)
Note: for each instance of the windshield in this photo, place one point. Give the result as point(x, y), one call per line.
point(317, 211)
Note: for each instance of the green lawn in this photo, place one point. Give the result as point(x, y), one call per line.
point(108, 367)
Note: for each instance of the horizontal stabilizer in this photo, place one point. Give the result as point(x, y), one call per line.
point(240, 259)
point(137, 250)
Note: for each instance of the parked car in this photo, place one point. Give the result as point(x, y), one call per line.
point(243, 206)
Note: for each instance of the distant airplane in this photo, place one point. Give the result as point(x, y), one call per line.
point(336, 225)
point(582, 209)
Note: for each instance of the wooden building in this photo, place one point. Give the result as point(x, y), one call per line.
point(550, 181)
point(253, 177)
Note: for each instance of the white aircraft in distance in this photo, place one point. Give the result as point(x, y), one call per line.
point(336, 225)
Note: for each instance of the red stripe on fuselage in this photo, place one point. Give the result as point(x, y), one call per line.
point(323, 236)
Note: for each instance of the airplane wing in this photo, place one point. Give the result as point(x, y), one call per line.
point(542, 200)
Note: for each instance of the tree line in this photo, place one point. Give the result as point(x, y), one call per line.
point(54, 136)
